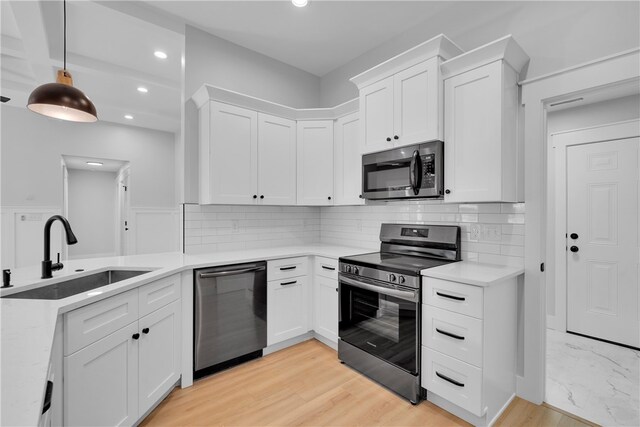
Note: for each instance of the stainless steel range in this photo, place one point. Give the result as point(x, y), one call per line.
point(380, 313)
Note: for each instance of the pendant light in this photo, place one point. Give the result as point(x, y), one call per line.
point(61, 100)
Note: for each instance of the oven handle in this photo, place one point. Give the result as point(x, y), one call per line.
point(382, 289)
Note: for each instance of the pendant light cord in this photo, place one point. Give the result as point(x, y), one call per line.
point(64, 25)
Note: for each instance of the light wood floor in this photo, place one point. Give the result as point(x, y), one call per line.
point(305, 385)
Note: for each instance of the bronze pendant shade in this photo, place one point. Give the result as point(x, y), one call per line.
point(61, 100)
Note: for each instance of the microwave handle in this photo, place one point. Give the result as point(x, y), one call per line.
point(415, 172)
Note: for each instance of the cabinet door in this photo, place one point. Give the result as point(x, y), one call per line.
point(472, 151)
point(159, 355)
point(276, 160)
point(376, 113)
point(101, 381)
point(232, 159)
point(326, 307)
point(347, 165)
point(315, 162)
point(286, 309)
point(417, 98)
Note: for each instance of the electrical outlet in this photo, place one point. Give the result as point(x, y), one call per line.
point(31, 217)
point(492, 233)
point(235, 226)
point(475, 232)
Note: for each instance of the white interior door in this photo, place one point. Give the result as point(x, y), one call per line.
point(602, 241)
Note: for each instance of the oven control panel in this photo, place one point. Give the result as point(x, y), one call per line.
point(381, 275)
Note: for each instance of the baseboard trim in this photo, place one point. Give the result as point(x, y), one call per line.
point(288, 343)
point(324, 340)
point(155, 405)
point(504, 408)
point(569, 414)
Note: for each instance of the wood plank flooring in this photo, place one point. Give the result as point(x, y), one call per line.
point(305, 385)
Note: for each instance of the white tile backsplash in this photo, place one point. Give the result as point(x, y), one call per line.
point(214, 228)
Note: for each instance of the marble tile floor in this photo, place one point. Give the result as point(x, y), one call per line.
point(594, 380)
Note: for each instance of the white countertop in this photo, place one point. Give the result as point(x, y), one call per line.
point(473, 273)
point(27, 326)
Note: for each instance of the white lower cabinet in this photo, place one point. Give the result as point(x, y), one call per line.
point(286, 309)
point(101, 381)
point(469, 347)
point(117, 378)
point(325, 302)
point(325, 299)
point(159, 354)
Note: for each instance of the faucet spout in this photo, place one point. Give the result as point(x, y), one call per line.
point(47, 265)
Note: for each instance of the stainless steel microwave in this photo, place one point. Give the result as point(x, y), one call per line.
point(409, 172)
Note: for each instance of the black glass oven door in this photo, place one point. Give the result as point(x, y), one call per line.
point(380, 320)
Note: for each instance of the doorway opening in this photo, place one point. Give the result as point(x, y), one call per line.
point(593, 300)
point(96, 203)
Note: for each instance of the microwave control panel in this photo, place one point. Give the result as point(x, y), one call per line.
point(428, 171)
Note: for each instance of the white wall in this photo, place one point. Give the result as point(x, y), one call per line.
point(210, 59)
point(92, 213)
point(611, 111)
point(554, 34)
point(31, 171)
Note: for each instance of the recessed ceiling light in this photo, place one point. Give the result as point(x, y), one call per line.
point(160, 54)
point(142, 89)
point(128, 116)
point(299, 3)
point(94, 163)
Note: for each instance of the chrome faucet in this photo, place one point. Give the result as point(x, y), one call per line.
point(47, 265)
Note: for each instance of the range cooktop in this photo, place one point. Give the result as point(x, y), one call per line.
point(396, 263)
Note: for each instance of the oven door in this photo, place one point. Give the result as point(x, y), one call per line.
point(381, 319)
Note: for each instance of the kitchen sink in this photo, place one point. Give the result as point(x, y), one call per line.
point(77, 286)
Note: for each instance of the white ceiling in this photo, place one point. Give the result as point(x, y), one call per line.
point(317, 38)
point(109, 54)
point(108, 165)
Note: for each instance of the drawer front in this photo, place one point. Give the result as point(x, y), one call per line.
point(453, 334)
point(95, 321)
point(327, 267)
point(453, 296)
point(451, 379)
point(157, 294)
point(287, 268)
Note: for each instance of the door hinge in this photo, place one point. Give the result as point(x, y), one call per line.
point(542, 267)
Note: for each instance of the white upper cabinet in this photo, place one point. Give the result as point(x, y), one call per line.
point(228, 154)
point(401, 99)
point(256, 152)
point(276, 160)
point(376, 107)
point(315, 162)
point(417, 104)
point(482, 150)
point(347, 161)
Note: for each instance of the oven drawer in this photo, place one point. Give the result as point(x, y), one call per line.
point(453, 296)
point(326, 267)
point(286, 268)
point(451, 379)
point(453, 334)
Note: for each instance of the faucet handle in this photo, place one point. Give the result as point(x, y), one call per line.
point(58, 265)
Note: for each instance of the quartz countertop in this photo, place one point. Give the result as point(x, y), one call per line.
point(27, 326)
point(473, 273)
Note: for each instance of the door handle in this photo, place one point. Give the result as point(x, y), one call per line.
point(453, 297)
point(449, 334)
point(574, 236)
point(328, 268)
point(574, 249)
point(293, 282)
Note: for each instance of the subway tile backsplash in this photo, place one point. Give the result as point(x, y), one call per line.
point(491, 232)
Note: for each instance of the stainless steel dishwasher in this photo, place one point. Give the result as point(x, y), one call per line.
point(230, 316)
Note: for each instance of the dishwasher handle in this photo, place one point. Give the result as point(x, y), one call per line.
point(231, 272)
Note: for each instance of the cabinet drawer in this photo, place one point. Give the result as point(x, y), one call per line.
point(88, 324)
point(285, 268)
point(453, 334)
point(451, 379)
point(453, 296)
point(158, 294)
point(327, 267)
